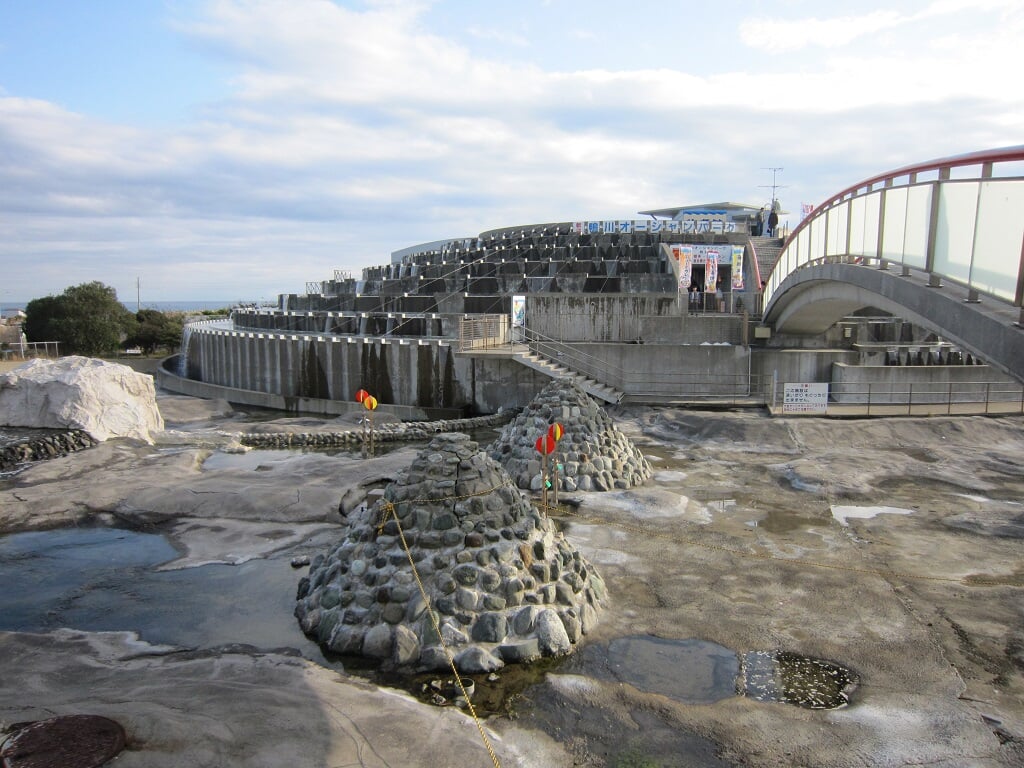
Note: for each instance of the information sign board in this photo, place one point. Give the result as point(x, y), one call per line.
point(805, 398)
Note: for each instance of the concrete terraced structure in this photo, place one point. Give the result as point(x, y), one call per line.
point(605, 304)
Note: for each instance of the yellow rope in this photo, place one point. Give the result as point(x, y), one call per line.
point(389, 511)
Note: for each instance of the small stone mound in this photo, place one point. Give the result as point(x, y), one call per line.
point(504, 585)
point(594, 454)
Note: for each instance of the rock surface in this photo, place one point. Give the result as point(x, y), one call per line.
point(240, 706)
point(594, 454)
point(103, 399)
point(503, 584)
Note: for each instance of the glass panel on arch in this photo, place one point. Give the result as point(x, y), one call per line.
point(837, 222)
point(915, 237)
point(999, 238)
point(857, 226)
point(954, 230)
point(894, 226)
point(872, 204)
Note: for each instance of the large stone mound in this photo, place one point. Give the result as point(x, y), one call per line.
point(103, 399)
point(503, 584)
point(594, 453)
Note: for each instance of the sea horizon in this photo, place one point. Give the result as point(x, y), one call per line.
point(184, 306)
point(163, 306)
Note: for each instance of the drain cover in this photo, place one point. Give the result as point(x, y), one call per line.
point(71, 741)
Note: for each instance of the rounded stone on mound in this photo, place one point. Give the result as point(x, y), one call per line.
point(493, 582)
point(595, 455)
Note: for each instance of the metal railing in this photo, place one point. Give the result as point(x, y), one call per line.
point(494, 332)
point(919, 398)
point(649, 387)
point(956, 218)
point(483, 332)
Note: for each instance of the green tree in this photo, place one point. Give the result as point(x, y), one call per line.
point(155, 329)
point(86, 319)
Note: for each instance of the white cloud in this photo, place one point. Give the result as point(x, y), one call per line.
point(353, 133)
point(777, 35)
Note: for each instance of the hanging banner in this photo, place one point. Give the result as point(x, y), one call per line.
point(711, 272)
point(737, 267)
point(685, 268)
point(518, 311)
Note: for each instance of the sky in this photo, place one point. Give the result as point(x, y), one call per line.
point(207, 150)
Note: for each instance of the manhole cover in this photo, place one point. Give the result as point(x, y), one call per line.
point(71, 741)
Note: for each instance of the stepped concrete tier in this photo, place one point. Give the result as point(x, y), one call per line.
point(594, 453)
point(103, 399)
point(503, 584)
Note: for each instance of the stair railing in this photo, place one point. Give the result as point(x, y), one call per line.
point(583, 363)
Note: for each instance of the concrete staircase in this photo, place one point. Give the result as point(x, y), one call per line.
point(558, 371)
point(767, 250)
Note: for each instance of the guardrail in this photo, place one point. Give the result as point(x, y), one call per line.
point(917, 399)
point(956, 218)
point(483, 332)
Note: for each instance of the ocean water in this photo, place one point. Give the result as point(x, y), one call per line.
point(183, 306)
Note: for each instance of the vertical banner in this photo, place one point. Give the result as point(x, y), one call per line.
point(518, 319)
point(518, 311)
point(685, 267)
point(711, 272)
point(737, 267)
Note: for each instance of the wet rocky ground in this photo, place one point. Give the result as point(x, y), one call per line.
point(783, 592)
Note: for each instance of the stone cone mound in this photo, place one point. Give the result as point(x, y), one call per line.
point(594, 453)
point(503, 584)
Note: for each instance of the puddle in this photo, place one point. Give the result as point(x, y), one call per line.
point(106, 579)
point(783, 521)
point(691, 671)
point(701, 672)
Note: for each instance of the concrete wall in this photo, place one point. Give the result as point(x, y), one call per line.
point(921, 384)
point(167, 379)
point(423, 374)
point(597, 317)
point(799, 365)
point(654, 373)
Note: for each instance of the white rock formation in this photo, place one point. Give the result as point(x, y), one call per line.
point(104, 399)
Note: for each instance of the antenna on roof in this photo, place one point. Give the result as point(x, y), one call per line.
point(773, 185)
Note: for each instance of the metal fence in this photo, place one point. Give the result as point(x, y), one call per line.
point(917, 398)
